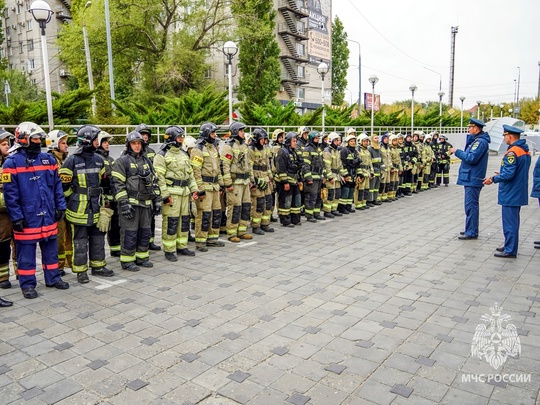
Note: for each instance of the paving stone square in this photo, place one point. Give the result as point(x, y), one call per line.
point(274, 321)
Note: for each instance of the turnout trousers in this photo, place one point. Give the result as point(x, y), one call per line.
point(208, 218)
point(88, 242)
point(175, 224)
point(135, 235)
point(238, 210)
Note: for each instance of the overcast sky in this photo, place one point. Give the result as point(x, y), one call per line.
point(398, 38)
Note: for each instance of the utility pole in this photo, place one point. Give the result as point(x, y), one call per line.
point(454, 31)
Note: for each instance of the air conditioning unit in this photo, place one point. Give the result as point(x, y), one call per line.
point(9, 38)
point(14, 26)
point(64, 73)
point(13, 8)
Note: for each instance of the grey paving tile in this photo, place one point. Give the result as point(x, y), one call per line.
point(94, 365)
point(190, 357)
point(425, 361)
point(280, 351)
point(239, 376)
point(136, 385)
point(335, 368)
point(31, 393)
point(298, 399)
point(402, 390)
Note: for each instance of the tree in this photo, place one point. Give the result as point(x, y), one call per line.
point(259, 50)
point(340, 61)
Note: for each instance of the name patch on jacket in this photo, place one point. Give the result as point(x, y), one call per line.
point(6, 177)
point(45, 161)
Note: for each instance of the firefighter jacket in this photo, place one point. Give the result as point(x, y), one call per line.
point(386, 153)
point(376, 158)
point(474, 160)
point(59, 157)
point(236, 164)
point(134, 180)
point(260, 162)
point(395, 154)
point(275, 149)
point(443, 154)
point(301, 143)
point(288, 165)
point(409, 155)
point(419, 147)
point(81, 177)
point(427, 155)
point(174, 172)
point(313, 162)
point(33, 192)
point(350, 160)
point(149, 152)
point(366, 168)
point(206, 166)
point(513, 177)
point(333, 166)
point(106, 180)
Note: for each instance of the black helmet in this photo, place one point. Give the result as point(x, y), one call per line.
point(86, 135)
point(206, 129)
point(134, 136)
point(257, 135)
point(171, 133)
point(235, 127)
point(143, 129)
point(289, 137)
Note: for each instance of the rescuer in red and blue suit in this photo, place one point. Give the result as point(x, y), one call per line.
point(35, 203)
point(513, 180)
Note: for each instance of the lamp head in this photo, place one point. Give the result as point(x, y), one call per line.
point(413, 87)
point(230, 49)
point(373, 79)
point(322, 68)
point(41, 11)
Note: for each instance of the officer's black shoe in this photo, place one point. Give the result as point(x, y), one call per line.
point(62, 273)
point(83, 278)
point(29, 293)
point(537, 246)
point(4, 303)
point(4, 285)
point(504, 255)
point(170, 256)
point(537, 242)
point(144, 263)
point(329, 215)
point(153, 246)
point(257, 231)
point(466, 237)
point(319, 217)
point(130, 266)
point(191, 238)
point(288, 225)
point(500, 249)
point(446, 185)
point(462, 233)
point(115, 254)
point(185, 252)
point(103, 272)
point(216, 243)
point(337, 214)
point(266, 228)
point(61, 285)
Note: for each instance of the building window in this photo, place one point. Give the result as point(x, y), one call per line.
point(19, 8)
point(28, 25)
point(28, 4)
point(21, 26)
point(21, 48)
point(208, 74)
point(8, 30)
point(300, 49)
point(10, 51)
point(34, 82)
point(8, 11)
point(301, 72)
point(301, 93)
point(11, 66)
point(30, 44)
point(31, 64)
point(300, 27)
point(2, 52)
point(23, 66)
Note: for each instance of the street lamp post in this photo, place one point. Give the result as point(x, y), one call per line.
point(88, 59)
point(441, 95)
point(42, 13)
point(322, 69)
point(501, 107)
point(230, 49)
point(109, 52)
point(373, 79)
point(462, 100)
point(412, 88)
point(478, 109)
point(491, 112)
point(359, 74)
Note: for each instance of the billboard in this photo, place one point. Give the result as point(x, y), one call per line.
point(367, 102)
point(319, 28)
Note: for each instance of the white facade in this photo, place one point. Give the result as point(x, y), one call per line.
point(22, 42)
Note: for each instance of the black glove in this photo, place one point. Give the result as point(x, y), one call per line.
point(127, 210)
point(262, 184)
point(157, 208)
point(60, 215)
point(167, 200)
point(18, 225)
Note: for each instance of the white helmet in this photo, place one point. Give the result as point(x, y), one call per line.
point(53, 137)
point(349, 137)
point(362, 137)
point(332, 136)
point(303, 130)
point(428, 138)
point(103, 135)
point(350, 131)
point(189, 142)
point(417, 133)
point(392, 137)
